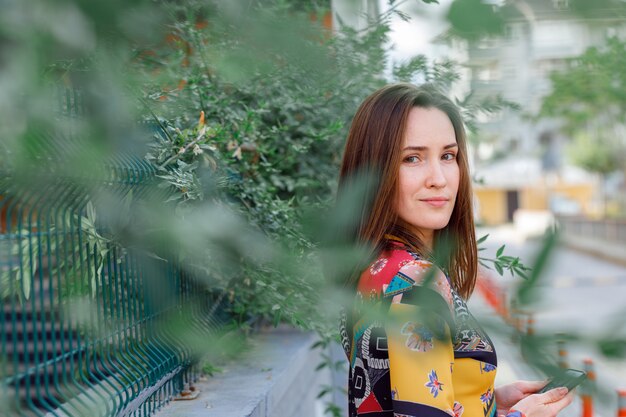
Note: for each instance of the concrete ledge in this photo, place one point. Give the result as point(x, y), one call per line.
point(610, 251)
point(276, 378)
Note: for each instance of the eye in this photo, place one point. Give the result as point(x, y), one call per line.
point(411, 159)
point(449, 156)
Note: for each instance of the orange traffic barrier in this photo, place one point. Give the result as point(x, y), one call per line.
point(586, 394)
point(621, 403)
point(562, 349)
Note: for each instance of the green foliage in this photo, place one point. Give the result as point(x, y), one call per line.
point(527, 291)
point(29, 246)
point(590, 88)
point(210, 369)
point(598, 8)
point(473, 19)
point(589, 99)
point(277, 107)
point(595, 155)
point(502, 262)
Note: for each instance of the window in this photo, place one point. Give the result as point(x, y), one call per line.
point(490, 72)
point(487, 42)
point(616, 32)
point(561, 4)
point(509, 32)
point(556, 34)
point(545, 67)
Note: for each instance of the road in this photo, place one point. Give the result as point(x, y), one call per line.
point(578, 294)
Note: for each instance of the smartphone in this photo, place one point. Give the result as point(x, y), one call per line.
point(569, 378)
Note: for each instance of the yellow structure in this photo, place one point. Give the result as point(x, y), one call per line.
point(497, 204)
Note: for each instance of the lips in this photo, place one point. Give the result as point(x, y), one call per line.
point(435, 201)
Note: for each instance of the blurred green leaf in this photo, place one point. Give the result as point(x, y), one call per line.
point(613, 348)
point(473, 19)
point(527, 291)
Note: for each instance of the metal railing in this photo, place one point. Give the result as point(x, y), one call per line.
point(81, 320)
point(608, 230)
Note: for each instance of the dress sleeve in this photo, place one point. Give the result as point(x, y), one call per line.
point(421, 356)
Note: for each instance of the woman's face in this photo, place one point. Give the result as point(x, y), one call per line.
point(429, 172)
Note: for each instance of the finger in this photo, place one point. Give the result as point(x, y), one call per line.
point(531, 386)
point(557, 406)
point(554, 395)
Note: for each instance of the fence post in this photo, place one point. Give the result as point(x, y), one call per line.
point(621, 403)
point(515, 320)
point(588, 388)
point(562, 349)
point(530, 325)
point(504, 305)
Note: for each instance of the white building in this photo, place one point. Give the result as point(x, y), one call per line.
point(540, 36)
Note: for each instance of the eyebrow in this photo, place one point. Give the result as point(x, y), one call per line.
point(424, 148)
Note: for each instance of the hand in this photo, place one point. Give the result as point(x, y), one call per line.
point(509, 395)
point(548, 404)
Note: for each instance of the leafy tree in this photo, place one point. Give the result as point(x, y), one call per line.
point(591, 88)
point(594, 156)
point(589, 97)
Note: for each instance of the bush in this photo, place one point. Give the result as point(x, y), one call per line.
point(275, 92)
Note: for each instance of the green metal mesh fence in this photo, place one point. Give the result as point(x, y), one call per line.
point(81, 325)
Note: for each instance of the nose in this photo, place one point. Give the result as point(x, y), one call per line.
point(436, 177)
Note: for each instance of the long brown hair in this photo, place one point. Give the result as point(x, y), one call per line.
point(373, 152)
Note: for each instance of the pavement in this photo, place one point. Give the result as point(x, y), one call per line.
point(274, 377)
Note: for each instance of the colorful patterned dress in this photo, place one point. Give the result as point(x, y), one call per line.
point(415, 350)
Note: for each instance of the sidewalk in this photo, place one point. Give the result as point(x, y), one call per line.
point(276, 377)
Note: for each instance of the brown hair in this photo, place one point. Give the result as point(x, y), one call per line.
point(373, 152)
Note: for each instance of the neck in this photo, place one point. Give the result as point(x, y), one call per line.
point(427, 238)
point(428, 241)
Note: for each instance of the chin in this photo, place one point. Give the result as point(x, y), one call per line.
point(427, 221)
point(435, 224)
point(441, 227)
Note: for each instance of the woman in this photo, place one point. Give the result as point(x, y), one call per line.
point(428, 356)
